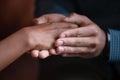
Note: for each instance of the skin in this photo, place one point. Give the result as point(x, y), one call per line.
point(47, 18)
point(28, 38)
point(14, 15)
point(87, 41)
point(34, 37)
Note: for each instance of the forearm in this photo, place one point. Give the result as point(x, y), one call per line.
point(11, 48)
point(14, 14)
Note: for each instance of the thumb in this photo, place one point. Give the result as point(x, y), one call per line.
point(78, 19)
point(41, 20)
point(50, 18)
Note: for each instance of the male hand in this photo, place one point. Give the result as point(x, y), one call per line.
point(87, 41)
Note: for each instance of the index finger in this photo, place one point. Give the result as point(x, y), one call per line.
point(48, 18)
point(86, 31)
point(78, 19)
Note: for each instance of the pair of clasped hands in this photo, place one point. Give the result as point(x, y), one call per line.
point(72, 36)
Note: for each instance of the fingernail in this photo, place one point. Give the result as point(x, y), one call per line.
point(60, 50)
point(44, 54)
point(62, 36)
point(35, 53)
point(35, 21)
point(66, 19)
point(40, 21)
point(59, 43)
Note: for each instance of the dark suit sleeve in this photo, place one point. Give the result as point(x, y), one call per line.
point(54, 6)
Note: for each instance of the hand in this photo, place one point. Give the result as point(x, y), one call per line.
point(48, 18)
point(44, 35)
point(87, 41)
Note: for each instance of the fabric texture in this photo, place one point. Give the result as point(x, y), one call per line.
point(114, 45)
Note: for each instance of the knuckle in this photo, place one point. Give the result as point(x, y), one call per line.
point(84, 50)
point(73, 14)
point(53, 25)
point(77, 31)
point(93, 43)
point(65, 50)
point(95, 30)
point(77, 42)
point(70, 25)
point(73, 26)
point(97, 42)
point(92, 50)
point(66, 42)
point(72, 50)
point(68, 50)
point(67, 33)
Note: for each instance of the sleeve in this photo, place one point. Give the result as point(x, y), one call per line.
point(53, 6)
point(114, 45)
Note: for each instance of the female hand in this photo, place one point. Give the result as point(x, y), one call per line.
point(48, 18)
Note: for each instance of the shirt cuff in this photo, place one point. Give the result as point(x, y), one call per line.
point(114, 45)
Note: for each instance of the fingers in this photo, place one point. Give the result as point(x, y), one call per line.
point(75, 50)
point(85, 56)
point(56, 25)
point(50, 18)
point(63, 25)
point(41, 54)
point(35, 53)
point(82, 42)
point(52, 51)
point(78, 19)
point(44, 54)
point(83, 52)
point(76, 42)
point(72, 55)
point(80, 32)
point(60, 27)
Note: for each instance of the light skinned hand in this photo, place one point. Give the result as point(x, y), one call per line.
point(87, 41)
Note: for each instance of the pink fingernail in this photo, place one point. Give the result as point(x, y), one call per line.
point(62, 36)
point(59, 43)
point(60, 50)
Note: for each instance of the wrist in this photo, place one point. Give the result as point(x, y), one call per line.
point(29, 38)
point(26, 38)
